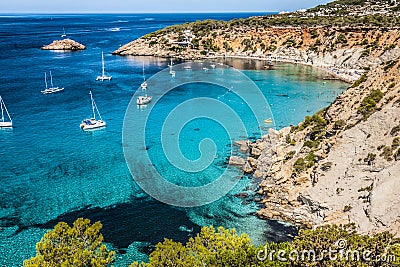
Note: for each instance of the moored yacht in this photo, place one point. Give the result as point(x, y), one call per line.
point(143, 100)
point(93, 123)
point(103, 76)
point(3, 122)
point(52, 89)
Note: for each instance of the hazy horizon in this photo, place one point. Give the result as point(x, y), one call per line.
point(151, 6)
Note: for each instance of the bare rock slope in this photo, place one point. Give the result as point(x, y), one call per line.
point(343, 164)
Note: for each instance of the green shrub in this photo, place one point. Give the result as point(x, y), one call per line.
point(370, 158)
point(289, 155)
point(395, 130)
point(362, 79)
point(211, 247)
point(365, 53)
point(80, 245)
point(396, 155)
point(316, 120)
point(326, 166)
point(300, 165)
point(364, 42)
point(314, 33)
point(368, 105)
point(389, 65)
point(395, 143)
point(387, 153)
point(289, 42)
point(312, 144)
point(341, 39)
point(339, 125)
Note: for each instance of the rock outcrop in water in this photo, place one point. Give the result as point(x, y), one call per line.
point(66, 44)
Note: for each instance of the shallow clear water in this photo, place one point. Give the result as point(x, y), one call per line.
point(51, 171)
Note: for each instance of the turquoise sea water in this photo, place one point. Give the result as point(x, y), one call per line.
point(51, 171)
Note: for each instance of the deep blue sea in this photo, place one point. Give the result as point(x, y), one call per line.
point(51, 171)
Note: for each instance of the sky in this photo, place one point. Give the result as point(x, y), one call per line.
point(153, 6)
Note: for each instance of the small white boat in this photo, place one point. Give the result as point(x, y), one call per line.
point(205, 69)
point(143, 100)
point(171, 71)
point(93, 123)
point(213, 66)
point(3, 122)
point(103, 76)
point(187, 67)
point(115, 29)
point(53, 89)
point(144, 83)
point(268, 121)
point(64, 34)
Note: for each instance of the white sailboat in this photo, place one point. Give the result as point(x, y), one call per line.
point(64, 34)
point(103, 74)
point(93, 123)
point(144, 83)
point(52, 89)
point(171, 71)
point(143, 100)
point(3, 122)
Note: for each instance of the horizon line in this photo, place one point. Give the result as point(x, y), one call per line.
point(132, 13)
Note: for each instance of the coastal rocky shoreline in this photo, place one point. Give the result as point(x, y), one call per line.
point(65, 44)
point(342, 165)
point(341, 51)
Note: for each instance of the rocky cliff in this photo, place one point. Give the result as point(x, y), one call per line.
point(343, 164)
point(346, 51)
point(66, 44)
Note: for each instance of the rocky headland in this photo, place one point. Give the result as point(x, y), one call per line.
point(65, 44)
point(342, 164)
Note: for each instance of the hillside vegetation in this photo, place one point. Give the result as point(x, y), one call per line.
point(82, 245)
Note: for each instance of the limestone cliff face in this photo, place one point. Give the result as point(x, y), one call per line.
point(355, 166)
point(66, 44)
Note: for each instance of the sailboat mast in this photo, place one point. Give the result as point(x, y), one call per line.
point(51, 80)
point(102, 64)
point(45, 79)
point(2, 111)
point(144, 77)
point(91, 98)
point(3, 107)
point(98, 112)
